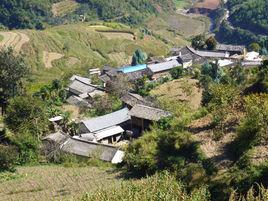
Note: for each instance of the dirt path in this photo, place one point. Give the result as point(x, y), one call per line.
point(49, 57)
point(14, 39)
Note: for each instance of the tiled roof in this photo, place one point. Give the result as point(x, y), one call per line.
point(149, 113)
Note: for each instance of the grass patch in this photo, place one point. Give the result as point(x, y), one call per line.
point(57, 182)
point(1, 38)
point(182, 4)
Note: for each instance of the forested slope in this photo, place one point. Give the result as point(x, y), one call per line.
point(250, 15)
point(35, 13)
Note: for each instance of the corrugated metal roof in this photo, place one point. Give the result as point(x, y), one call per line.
point(130, 69)
point(108, 132)
point(155, 68)
point(106, 121)
point(149, 113)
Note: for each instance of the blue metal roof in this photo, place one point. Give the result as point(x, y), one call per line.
point(130, 69)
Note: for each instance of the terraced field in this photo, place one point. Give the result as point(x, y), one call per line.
point(13, 39)
point(60, 51)
point(63, 7)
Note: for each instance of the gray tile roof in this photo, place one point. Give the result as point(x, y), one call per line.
point(133, 99)
point(105, 78)
point(231, 48)
point(209, 54)
point(89, 149)
point(78, 87)
point(58, 137)
point(77, 101)
point(81, 79)
point(149, 113)
point(102, 122)
point(164, 66)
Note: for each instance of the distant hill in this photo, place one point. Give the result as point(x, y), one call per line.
point(249, 15)
point(36, 13)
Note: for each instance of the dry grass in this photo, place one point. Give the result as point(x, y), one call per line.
point(185, 90)
point(121, 58)
point(177, 27)
point(44, 183)
point(13, 39)
point(64, 7)
point(207, 4)
point(114, 35)
point(49, 57)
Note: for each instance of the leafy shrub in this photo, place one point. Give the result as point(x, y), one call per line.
point(253, 128)
point(176, 72)
point(8, 156)
point(158, 187)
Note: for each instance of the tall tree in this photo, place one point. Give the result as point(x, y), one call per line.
point(13, 70)
point(139, 57)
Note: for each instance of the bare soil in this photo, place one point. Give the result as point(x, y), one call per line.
point(49, 57)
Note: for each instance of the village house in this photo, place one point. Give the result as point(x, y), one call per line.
point(107, 129)
point(162, 69)
point(143, 116)
point(131, 99)
point(83, 148)
point(82, 87)
point(231, 49)
point(77, 101)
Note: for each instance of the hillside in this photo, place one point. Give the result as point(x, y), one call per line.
point(249, 15)
point(244, 22)
point(36, 14)
point(62, 50)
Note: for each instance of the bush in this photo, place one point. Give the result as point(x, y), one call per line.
point(176, 72)
point(158, 187)
point(8, 156)
point(253, 128)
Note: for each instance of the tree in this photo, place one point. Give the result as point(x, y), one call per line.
point(211, 43)
point(12, 72)
point(139, 57)
point(27, 114)
point(176, 72)
point(199, 42)
point(119, 86)
point(238, 75)
point(254, 47)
